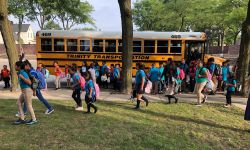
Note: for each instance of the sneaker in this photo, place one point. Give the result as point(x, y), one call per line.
point(227, 105)
point(47, 112)
point(204, 99)
point(19, 121)
point(31, 122)
point(95, 110)
point(79, 109)
point(18, 115)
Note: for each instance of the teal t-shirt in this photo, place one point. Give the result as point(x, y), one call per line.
point(154, 74)
point(201, 72)
point(231, 88)
point(161, 69)
point(139, 75)
point(22, 84)
point(76, 78)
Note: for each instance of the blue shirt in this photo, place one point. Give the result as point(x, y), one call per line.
point(231, 88)
point(23, 85)
point(104, 67)
point(161, 69)
point(212, 68)
point(116, 73)
point(154, 74)
point(139, 75)
point(184, 67)
point(76, 79)
point(90, 85)
point(225, 71)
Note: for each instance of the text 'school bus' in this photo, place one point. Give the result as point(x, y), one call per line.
point(69, 47)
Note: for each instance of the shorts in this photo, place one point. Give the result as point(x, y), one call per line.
point(138, 89)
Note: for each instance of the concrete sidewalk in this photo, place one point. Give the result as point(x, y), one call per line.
point(65, 94)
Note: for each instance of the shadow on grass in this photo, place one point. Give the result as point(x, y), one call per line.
point(175, 117)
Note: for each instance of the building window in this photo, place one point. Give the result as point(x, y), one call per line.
point(175, 46)
point(46, 45)
point(149, 46)
point(85, 45)
point(72, 45)
point(136, 46)
point(58, 44)
point(110, 45)
point(162, 46)
point(97, 45)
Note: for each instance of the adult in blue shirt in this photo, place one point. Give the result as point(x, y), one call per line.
point(103, 68)
point(183, 65)
point(154, 76)
point(90, 96)
point(140, 80)
point(26, 95)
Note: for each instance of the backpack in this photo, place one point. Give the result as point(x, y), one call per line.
point(97, 90)
point(39, 80)
point(47, 73)
point(182, 74)
point(238, 85)
point(209, 77)
point(82, 81)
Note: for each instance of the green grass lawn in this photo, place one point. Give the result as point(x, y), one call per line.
point(118, 126)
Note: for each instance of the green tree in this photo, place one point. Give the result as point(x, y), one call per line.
point(41, 11)
point(51, 25)
point(9, 42)
point(244, 57)
point(127, 42)
point(73, 12)
point(19, 9)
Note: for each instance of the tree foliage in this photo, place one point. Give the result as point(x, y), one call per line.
point(51, 25)
point(73, 12)
point(222, 17)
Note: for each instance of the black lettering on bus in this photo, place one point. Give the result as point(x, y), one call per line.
point(147, 57)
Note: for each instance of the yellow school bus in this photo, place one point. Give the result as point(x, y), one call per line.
point(149, 47)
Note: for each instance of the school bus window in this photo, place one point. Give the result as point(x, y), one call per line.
point(137, 46)
point(46, 44)
point(110, 45)
point(85, 45)
point(119, 45)
point(97, 45)
point(175, 46)
point(162, 46)
point(149, 46)
point(72, 45)
point(58, 44)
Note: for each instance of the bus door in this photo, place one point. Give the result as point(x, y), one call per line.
point(194, 50)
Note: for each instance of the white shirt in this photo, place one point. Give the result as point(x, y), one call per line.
point(92, 73)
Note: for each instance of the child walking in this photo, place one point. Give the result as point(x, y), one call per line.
point(76, 95)
point(68, 77)
point(90, 96)
point(231, 85)
point(5, 73)
point(26, 95)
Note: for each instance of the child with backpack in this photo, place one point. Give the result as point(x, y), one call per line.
point(231, 87)
point(78, 85)
point(25, 98)
point(68, 77)
point(38, 83)
point(90, 96)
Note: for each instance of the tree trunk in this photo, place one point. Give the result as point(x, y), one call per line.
point(127, 42)
point(244, 57)
point(9, 42)
point(20, 24)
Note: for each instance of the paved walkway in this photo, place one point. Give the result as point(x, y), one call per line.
point(65, 94)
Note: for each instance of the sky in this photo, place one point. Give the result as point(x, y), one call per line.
point(106, 15)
